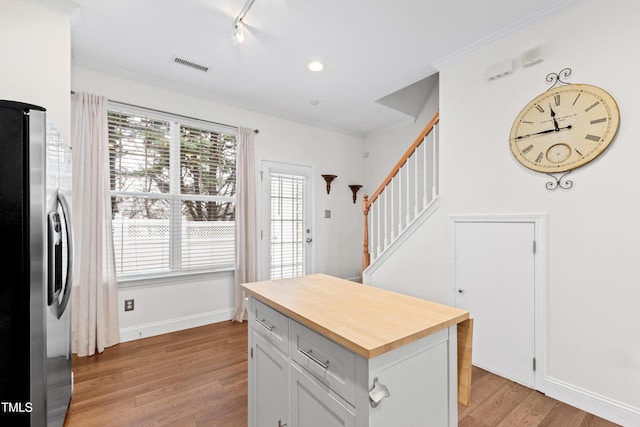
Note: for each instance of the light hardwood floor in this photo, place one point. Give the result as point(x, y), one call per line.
point(198, 377)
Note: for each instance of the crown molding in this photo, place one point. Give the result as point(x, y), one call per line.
point(514, 27)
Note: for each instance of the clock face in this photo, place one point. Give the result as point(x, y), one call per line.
point(564, 128)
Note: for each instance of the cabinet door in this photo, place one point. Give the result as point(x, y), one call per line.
point(312, 404)
point(417, 377)
point(269, 382)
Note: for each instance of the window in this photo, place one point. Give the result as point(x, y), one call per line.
point(173, 186)
point(287, 226)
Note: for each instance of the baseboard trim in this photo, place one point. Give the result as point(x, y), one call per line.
point(609, 409)
point(172, 325)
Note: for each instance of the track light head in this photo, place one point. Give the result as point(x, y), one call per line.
point(238, 32)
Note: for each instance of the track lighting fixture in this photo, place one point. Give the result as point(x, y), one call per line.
point(238, 30)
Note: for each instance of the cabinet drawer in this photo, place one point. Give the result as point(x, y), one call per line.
point(329, 362)
point(271, 324)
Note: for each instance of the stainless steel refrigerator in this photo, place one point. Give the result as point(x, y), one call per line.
point(35, 311)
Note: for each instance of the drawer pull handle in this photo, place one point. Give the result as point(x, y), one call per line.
point(264, 325)
point(314, 359)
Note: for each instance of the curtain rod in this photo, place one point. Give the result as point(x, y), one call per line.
point(172, 114)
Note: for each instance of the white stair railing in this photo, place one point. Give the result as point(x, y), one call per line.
point(404, 196)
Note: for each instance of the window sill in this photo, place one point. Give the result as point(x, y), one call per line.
point(172, 278)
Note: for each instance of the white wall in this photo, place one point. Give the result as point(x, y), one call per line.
point(35, 48)
point(384, 150)
point(593, 345)
point(168, 305)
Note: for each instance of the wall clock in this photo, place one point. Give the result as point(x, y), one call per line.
point(564, 128)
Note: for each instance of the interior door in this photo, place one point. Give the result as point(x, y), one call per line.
point(286, 229)
point(494, 279)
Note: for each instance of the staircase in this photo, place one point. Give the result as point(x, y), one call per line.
point(404, 200)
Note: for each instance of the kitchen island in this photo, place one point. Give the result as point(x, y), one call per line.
point(325, 351)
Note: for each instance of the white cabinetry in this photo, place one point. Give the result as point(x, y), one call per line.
point(270, 384)
point(300, 378)
point(268, 367)
point(329, 363)
point(313, 405)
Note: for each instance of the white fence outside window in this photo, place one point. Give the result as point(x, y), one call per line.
point(144, 245)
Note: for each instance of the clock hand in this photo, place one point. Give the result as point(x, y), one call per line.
point(553, 116)
point(544, 131)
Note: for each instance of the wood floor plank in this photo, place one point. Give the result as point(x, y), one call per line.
point(198, 378)
point(531, 411)
point(500, 404)
point(483, 385)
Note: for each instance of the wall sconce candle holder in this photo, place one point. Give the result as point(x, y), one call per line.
point(354, 189)
point(328, 179)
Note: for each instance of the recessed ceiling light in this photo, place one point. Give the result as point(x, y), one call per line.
point(316, 66)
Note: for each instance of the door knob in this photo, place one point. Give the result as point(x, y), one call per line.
point(309, 239)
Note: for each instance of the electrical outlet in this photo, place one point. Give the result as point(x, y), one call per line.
point(128, 305)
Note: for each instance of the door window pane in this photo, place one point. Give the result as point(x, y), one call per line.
point(287, 246)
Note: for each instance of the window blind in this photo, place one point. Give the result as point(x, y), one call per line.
point(173, 195)
point(287, 246)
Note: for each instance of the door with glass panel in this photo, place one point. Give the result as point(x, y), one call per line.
point(286, 229)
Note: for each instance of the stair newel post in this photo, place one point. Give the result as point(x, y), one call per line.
point(366, 257)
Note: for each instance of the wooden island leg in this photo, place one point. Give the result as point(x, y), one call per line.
point(465, 335)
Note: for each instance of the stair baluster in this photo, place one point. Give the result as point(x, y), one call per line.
point(408, 180)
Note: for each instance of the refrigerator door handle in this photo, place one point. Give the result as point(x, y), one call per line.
point(66, 211)
point(54, 264)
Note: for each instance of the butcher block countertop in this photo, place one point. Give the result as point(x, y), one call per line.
point(367, 320)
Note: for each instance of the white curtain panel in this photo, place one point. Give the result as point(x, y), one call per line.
point(246, 240)
point(95, 292)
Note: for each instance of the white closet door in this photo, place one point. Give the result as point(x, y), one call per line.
point(494, 276)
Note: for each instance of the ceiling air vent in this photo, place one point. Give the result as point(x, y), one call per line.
point(191, 64)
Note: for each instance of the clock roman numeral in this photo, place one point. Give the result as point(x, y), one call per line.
point(602, 120)
point(526, 149)
point(556, 98)
point(539, 108)
point(592, 138)
point(539, 158)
